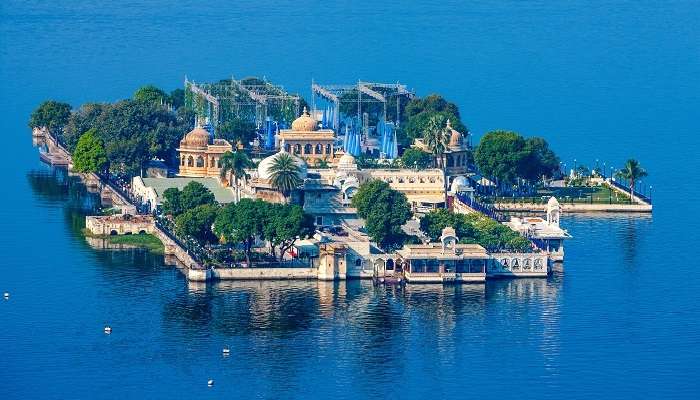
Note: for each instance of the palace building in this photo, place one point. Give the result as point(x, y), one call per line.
point(199, 154)
point(307, 141)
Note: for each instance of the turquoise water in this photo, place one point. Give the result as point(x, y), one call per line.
point(600, 80)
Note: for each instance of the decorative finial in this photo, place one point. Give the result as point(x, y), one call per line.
point(305, 112)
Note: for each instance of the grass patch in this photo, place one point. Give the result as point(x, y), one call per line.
point(144, 240)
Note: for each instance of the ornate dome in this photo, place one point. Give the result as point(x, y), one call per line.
point(347, 161)
point(305, 123)
point(456, 138)
point(264, 166)
point(197, 138)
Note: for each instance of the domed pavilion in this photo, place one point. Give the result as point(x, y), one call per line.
point(307, 141)
point(199, 154)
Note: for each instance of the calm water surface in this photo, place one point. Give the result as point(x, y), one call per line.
point(601, 80)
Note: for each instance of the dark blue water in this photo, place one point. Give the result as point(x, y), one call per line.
point(602, 80)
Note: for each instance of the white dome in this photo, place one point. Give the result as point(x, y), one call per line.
point(459, 184)
point(266, 163)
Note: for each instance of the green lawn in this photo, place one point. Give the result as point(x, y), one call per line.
point(580, 194)
point(143, 240)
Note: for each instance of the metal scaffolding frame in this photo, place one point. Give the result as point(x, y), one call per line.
point(333, 94)
point(234, 97)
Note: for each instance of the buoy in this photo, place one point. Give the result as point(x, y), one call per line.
point(210, 382)
point(226, 351)
point(108, 329)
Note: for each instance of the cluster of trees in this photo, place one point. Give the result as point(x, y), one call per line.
point(280, 224)
point(417, 158)
point(507, 157)
point(420, 111)
point(197, 214)
point(384, 210)
point(129, 132)
point(473, 228)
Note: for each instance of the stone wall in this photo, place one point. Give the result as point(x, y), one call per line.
point(119, 224)
point(575, 208)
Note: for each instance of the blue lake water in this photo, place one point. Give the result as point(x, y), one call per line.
point(604, 80)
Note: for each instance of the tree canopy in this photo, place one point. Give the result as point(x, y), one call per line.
point(631, 172)
point(473, 228)
point(196, 222)
point(51, 114)
point(151, 94)
point(284, 174)
point(89, 154)
point(417, 158)
point(176, 201)
point(280, 224)
point(507, 156)
point(384, 209)
point(419, 112)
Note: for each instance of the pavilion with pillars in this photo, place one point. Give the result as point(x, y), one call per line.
point(307, 141)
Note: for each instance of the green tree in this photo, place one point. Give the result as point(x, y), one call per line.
point(284, 174)
point(51, 114)
point(500, 155)
point(284, 224)
point(632, 172)
point(171, 202)
point(384, 209)
point(89, 154)
point(151, 94)
point(82, 120)
point(540, 161)
point(435, 221)
point(195, 194)
point(236, 130)
point(234, 164)
point(240, 223)
point(177, 98)
point(197, 222)
point(416, 158)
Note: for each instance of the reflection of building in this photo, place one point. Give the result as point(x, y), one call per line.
point(547, 235)
point(307, 141)
point(199, 154)
point(447, 261)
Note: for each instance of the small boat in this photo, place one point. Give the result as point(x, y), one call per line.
point(108, 329)
point(6, 295)
point(210, 382)
point(226, 351)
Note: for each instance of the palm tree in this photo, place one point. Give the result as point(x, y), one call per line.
point(437, 138)
point(631, 172)
point(284, 174)
point(235, 164)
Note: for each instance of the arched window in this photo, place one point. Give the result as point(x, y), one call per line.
point(200, 162)
point(190, 161)
point(297, 148)
point(211, 162)
point(182, 161)
point(319, 149)
point(287, 148)
point(390, 265)
point(307, 148)
point(358, 262)
point(328, 149)
point(218, 163)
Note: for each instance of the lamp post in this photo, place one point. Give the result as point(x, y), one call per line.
point(604, 170)
point(575, 167)
point(650, 187)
